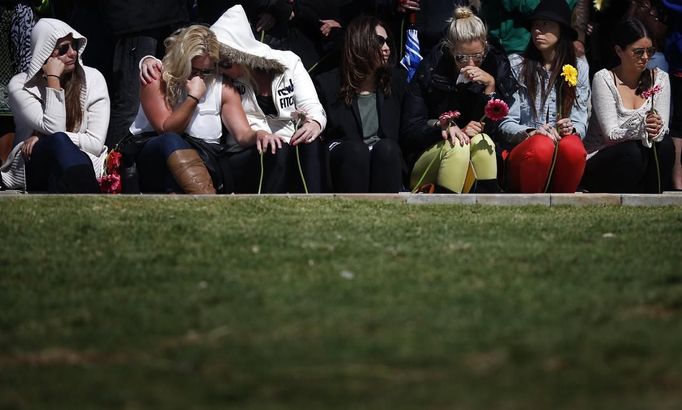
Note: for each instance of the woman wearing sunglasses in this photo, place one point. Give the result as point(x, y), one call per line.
point(627, 142)
point(363, 102)
point(549, 116)
point(179, 119)
point(462, 73)
point(61, 114)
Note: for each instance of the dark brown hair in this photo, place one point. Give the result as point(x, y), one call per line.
point(73, 84)
point(531, 72)
point(361, 58)
point(627, 32)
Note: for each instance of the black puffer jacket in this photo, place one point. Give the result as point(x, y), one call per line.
point(433, 90)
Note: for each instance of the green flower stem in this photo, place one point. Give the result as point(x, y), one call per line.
point(658, 169)
point(262, 171)
point(426, 171)
point(551, 168)
point(300, 171)
point(262, 35)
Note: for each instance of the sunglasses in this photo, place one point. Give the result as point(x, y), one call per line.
point(464, 58)
point(225, 64)
point(64, 48)
point(381, 40)
point(202, 72)
point(639, 52)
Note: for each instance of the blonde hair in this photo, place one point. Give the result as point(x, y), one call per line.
point(181, 47)
point(465, 26)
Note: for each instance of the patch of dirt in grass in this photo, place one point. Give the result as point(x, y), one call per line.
point(650, 312)
point(486, 362)
point(59, 356)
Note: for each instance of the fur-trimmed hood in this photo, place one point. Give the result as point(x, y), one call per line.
point(44, 39)
point(238, 44)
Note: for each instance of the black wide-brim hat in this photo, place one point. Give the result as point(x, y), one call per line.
point(553, 10)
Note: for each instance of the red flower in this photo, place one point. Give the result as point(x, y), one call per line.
point(110, 184)
point(113, 162)
point(448, 118)
point(496, 110)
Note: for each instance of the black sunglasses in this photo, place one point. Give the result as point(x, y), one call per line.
point(202, 72)
point(225, 64)
point(64, 48)
point(383, 40)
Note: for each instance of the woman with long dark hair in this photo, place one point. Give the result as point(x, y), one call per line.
point(549, 116)
point(362, 100)
point(627, 137)
point(61, 113)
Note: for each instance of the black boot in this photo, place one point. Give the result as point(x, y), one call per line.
point(487, 186)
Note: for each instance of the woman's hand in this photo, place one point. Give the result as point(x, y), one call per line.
point(475, 73)
point(454, 134)
point(327, 26)
point(408, 5)
point(548, 131)
point(150, 70)
point(53, 66)
point(306, 133)
point(27, 148)
point(565, 127)
point(474, 128)
point(196, 87)
point(265, 140)
point(654, 123)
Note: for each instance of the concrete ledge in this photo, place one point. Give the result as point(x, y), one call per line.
point(577, 199)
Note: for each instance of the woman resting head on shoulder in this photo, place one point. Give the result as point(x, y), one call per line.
point(627, 139)
point(61, 115)
point(549, 115)
point(363, 100)
point(180, 118)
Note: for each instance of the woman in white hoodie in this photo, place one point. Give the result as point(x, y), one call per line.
point(273, 85)
point(61, 115)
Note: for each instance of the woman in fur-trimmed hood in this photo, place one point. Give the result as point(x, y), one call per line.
point(61, 113)
point(274, 85)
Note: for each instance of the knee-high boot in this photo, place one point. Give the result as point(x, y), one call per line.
point(189, 172)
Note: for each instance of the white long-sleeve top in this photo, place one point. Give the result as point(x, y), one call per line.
point(611, 123)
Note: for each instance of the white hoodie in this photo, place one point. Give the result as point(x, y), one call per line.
point(41, 110)
point(291, 90)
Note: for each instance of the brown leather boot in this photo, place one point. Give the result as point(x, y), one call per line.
point(190, 172)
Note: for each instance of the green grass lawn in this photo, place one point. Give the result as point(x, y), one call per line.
point(140, 303)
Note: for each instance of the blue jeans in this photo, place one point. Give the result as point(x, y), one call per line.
point(58, 165)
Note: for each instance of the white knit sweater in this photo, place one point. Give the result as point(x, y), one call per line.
point(611, 123)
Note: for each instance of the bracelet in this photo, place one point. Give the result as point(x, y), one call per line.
point(52, 75)
point(195, 98)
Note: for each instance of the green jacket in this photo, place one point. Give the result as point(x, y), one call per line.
point(505, 18)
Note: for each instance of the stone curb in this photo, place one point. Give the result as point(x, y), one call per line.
point(577, 199)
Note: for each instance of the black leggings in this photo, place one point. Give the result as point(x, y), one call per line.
point(629, 167)
point(356, 168)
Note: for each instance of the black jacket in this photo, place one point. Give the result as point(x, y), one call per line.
point(343, 121)
point(433, 90)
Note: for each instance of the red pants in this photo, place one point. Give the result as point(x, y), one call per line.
point(529, 164)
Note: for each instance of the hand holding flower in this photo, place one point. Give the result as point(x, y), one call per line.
point(564, 126)
point(474, 128)
point(450, 131)
point(265, 140)
point(654, 123)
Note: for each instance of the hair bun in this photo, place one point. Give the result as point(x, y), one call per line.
point(463, 12)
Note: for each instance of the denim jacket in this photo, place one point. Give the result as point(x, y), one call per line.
point(520, 118)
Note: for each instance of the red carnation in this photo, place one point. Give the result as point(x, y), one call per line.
point(113, 162)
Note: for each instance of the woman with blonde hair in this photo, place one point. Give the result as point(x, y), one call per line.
point(180, 119)
point(61, 113)
point(462, 74)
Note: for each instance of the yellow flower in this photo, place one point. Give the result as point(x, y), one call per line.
point(599, 4)
point(570, 74)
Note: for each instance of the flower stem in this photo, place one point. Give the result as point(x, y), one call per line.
point(300, 171)
point(262, 171)
point(262, 35)
point(658, 169)
point(551, 168)
point(426, 171)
